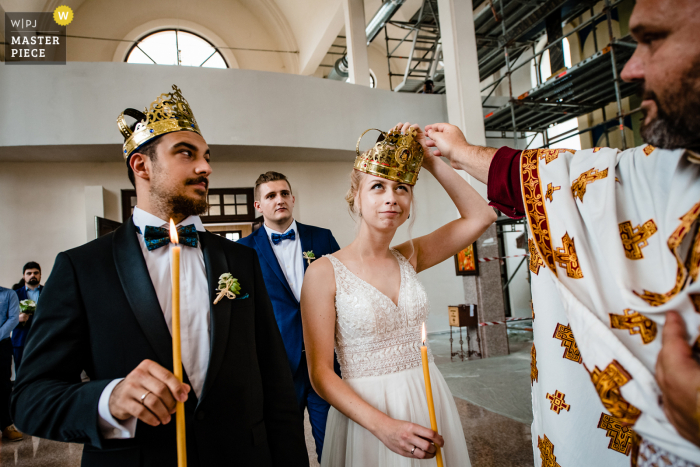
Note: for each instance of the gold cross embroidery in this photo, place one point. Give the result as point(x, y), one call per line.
point(557, 403)
point(564, 334)
point(550, 191)
point(535, 260)
point(566, 258)
point(533, 365)
point(635, 323)
point(578, 188)
point(622, 436)
point(607, 384)
point(648, 149)
point(547, 452)
point(635, 238)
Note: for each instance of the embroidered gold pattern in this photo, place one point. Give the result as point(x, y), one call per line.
point(636, 238)
point(547, 452)
point(534, 204)
point(622, 437)
point(608, 383)
point(635, 323)
point(596, 150)
point(535, 260)
point(578, 188)
point(674, 242)
point(533, 365)
point(648, 149)
point(564, 334)
point(566, 258)
point(552, 154)
point(557, 403)
point(694, 260)
point(550, 191)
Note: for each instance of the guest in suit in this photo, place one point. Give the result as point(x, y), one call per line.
point(9, 317)
point(107, 310)
point(31, 273)
point(286, 248)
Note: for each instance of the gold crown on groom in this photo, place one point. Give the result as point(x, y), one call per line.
point(395, 156)
point(170, 112)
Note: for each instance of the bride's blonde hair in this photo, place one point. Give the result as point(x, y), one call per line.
point(356, 178)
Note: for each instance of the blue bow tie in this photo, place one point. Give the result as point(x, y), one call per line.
point(156, 237)
point(276, 238)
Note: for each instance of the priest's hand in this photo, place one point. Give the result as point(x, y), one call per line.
point(161, 389)
point(449, 142)
point(678, 375)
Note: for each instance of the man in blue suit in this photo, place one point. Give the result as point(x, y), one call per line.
point(285, 249)
point(31, 273)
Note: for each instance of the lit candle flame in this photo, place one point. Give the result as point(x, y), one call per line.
point(423, 333)
point(173, 232)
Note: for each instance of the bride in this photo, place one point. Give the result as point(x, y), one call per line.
point(367, 302)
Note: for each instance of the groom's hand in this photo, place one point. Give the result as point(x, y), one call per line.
point(162, 391)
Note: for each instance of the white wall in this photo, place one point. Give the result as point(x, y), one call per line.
point(45, 203)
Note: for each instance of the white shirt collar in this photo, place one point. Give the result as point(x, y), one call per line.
point(269, 231)
point(142, 218)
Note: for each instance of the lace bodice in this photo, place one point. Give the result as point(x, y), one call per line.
point(373, 336)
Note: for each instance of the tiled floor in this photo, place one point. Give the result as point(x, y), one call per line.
point(492, 397)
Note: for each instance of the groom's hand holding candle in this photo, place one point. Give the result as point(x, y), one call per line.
point(149, 393)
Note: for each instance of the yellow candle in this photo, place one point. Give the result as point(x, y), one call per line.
point(177, 350)
point(429, 395)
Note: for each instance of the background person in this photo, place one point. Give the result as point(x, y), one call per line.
point(31, 274)
point(9, 317)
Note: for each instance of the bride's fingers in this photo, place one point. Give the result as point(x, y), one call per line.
point(405, 128)
point(424, 448)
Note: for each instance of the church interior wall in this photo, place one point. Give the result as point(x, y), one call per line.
point(47, 202)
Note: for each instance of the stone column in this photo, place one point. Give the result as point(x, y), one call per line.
point(464, 110)
point(356, 39)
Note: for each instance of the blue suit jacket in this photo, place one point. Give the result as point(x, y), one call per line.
point(19, 335)
point(284, 303)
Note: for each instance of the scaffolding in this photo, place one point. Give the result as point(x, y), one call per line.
point(590, 85)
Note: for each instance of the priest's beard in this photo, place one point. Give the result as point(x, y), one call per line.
point(170, 200)
point(677, 122)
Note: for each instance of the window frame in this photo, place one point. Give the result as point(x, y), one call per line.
point(176, 30)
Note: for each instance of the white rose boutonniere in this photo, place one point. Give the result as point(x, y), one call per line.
point(27, 306)
point(228, 287)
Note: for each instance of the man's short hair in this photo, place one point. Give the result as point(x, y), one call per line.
point(269, 177)
point(148, 150)
point(31, 265)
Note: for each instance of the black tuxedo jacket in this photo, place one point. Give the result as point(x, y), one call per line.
point(99, 312)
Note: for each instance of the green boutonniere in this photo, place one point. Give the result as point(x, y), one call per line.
point(228, 287)
point(309, 256)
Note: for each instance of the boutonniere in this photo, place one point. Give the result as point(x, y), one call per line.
point(309, 256)
point(228, 287)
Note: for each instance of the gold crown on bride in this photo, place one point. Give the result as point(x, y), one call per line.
point(395, 156)
point(170, 112)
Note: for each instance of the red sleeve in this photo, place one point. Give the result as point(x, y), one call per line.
point(504, 183)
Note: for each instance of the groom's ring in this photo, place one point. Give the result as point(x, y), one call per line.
point(143, 398)
point(413, 450)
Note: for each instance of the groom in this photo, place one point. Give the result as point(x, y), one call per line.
point(286, 248)
point(106, 309)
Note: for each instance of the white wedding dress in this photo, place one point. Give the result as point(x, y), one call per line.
point(378, 347)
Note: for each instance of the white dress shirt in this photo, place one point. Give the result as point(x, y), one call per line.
point(290, 258)
point(194, 313)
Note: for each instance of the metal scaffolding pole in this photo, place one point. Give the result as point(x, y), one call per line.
point(510, 79)
point(621, 118)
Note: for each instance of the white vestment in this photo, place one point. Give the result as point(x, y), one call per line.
point(614, 246)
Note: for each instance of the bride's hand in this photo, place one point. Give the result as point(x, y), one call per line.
point(401, 437)
point(428, 157)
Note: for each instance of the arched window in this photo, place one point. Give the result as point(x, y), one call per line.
point(545, 66)
point(175, 47)
point(372, 79)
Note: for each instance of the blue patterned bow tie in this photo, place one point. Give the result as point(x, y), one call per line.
point(156, 237)
point(276, 238)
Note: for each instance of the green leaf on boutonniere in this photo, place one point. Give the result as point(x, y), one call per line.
point(309, 256)
point(228, 287)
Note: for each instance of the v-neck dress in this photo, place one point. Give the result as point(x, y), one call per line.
point(378, 347)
